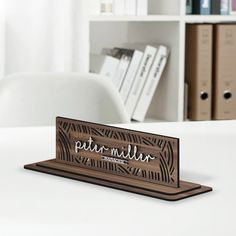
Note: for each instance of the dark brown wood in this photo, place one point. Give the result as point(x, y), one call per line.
point(164, 169)
point(185, 190)
point(52, 164)
point(124, 159)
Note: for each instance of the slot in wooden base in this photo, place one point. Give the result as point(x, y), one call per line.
point(185, 190)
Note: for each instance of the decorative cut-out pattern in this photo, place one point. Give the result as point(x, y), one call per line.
point(164, 169)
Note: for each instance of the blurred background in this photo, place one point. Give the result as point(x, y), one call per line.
point(44, 36)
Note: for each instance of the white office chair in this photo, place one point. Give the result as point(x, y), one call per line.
point(36, 99)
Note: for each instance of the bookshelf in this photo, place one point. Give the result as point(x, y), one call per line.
point(165, 24)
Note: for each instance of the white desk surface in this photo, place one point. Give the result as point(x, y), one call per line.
point(33, 203)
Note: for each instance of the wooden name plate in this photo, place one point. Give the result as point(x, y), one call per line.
point(125, 159)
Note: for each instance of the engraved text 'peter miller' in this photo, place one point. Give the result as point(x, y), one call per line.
point(131, 152)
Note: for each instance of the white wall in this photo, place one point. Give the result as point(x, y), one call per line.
point(2, 39)
point(46, 36)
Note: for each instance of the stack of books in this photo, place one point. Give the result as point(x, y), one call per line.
point(211, 7)
point(119, 7)
point(135, 72)
point(210, 71)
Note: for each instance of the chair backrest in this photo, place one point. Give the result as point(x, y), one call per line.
point(36, 99)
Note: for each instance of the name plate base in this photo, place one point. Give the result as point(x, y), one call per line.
point(185, 190)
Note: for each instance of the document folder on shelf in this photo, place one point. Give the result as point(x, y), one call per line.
point(224, 79)
point(198, 70)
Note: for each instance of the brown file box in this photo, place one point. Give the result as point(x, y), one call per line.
point(224, 79)
point(198, 70)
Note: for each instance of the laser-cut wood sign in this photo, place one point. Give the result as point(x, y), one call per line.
point(120, 158)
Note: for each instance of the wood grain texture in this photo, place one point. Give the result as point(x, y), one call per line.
point(164, 169)
point(185, 190)
point(52, 164)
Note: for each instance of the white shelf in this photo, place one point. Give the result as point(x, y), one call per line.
point(165, 24)
point(165, 18)
point(209, 19)
point(149, 18)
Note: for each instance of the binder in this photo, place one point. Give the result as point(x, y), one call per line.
point(130, 7)
point(202, 7)
point(216, 7)
point(131, 73)
point(224, 79)
point(198, 70)
point(224, 10)
point(140, 78)
point(119, 7)
point(124, 61)
point(141, 7)
point(151, 84)
point(189, 7)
